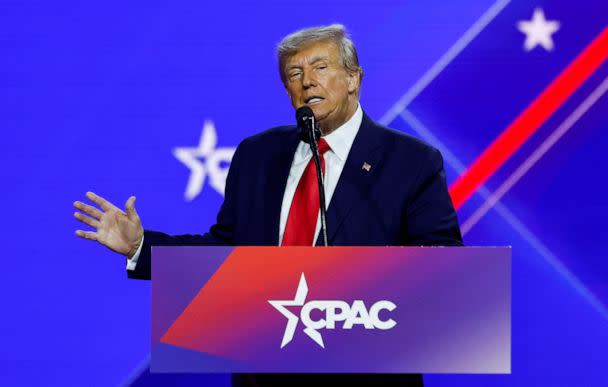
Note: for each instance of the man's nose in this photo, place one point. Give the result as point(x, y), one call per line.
point(308, 79)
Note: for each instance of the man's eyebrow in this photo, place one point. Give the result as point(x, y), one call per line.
point(318, 59)
point(312, 61)
point(293, 66)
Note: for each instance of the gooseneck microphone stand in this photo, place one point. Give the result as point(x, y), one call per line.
point(313, 132)
point(310, 133)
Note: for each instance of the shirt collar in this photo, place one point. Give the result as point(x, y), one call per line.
point(340, 140)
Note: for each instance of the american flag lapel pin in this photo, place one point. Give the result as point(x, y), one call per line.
point(367, 167)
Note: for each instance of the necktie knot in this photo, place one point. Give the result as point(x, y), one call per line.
point(323, 146)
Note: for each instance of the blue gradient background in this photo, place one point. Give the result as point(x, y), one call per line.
point(95, 96)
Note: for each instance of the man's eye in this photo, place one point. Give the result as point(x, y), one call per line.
point(294, 75)
point(322, 67)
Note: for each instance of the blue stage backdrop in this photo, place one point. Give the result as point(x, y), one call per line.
point(151, 100)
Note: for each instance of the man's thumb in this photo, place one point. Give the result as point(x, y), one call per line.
point(130, 206)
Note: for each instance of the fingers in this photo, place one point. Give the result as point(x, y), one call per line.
point(86, 220)
point(94, 212)
point(87, 235)
point(130, 207)
point(101, 202)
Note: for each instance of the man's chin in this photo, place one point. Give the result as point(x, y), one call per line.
point(320, 114)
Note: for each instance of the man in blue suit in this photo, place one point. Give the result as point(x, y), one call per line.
point(382, 186)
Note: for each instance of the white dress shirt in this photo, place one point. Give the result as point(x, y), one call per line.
point(340, 141)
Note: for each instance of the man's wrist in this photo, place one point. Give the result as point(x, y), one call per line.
point(135, 247)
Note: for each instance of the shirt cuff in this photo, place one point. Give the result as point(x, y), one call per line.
point(132, 263)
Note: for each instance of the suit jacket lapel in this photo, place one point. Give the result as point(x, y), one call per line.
point(355, 178)
point(280, 165)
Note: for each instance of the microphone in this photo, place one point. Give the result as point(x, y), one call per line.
point(310, 134)
point(306, 122)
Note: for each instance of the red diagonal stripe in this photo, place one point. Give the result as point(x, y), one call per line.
point(531, 119)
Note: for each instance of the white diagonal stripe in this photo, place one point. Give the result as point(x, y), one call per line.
point(445, 60)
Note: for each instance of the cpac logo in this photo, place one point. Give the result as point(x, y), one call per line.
point(335, 311)
point(205, 159)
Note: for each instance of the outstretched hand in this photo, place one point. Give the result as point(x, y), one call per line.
point(119, 231)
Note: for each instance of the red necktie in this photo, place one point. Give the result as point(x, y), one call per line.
point(304, 211)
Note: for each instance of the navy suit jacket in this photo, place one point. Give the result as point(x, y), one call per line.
point(402, 200)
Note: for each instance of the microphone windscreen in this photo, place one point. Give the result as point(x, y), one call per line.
point(302, 114)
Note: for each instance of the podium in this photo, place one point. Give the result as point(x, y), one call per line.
point(331, 309)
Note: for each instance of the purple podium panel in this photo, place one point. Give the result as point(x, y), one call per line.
point(331, 309)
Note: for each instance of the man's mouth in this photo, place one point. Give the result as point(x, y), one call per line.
point(313, 100)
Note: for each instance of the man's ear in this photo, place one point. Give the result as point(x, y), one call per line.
point(354, 81)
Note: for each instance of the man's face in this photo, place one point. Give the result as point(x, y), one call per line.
point(316, 77)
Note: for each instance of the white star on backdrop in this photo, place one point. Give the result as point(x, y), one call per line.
point(205, 160)
point(538, 31)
